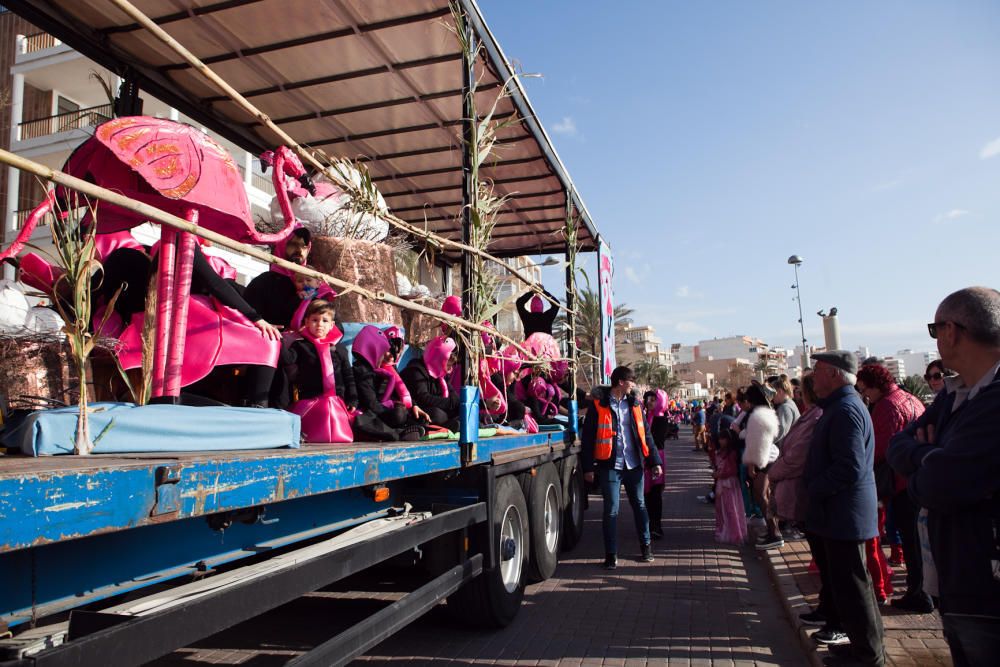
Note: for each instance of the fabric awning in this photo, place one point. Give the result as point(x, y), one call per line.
point(379, 82)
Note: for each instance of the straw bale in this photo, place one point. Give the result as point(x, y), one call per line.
point(367, 264)
point(37, 367)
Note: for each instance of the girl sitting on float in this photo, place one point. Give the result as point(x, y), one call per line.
point(427, 381)
point(388, 412)
point(320, 376)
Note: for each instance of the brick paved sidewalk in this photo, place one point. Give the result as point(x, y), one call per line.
point(700, 603)
point(910, 639)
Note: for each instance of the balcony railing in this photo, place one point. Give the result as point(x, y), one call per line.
point(22, 215)
point(262, 182)
point(71, 120)
point(39, 41)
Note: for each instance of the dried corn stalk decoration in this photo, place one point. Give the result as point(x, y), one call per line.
point(75, 254)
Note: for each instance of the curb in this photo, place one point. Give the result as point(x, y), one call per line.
point(793, 602)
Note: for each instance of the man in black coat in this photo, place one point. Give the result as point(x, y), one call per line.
point(951, 459)
point(273, 293)
point(843, 512)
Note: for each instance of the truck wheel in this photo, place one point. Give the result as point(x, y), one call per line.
point(545, 509)
point(492, 599)
point(573, 496)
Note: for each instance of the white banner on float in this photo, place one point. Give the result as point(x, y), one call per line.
point(605, 294)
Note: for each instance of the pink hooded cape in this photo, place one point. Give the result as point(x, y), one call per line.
point(436, 359)
point(325, 418)
point(659, 410)
point(396, 390)
point(371, 344)
point(324, 291)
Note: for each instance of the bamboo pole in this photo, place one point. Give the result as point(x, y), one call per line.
point(154, 214)
point(139, 17)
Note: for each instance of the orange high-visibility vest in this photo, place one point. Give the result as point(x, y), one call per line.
point(605, 442)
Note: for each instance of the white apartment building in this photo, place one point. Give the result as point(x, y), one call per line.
point(916, 362)
point(56, 102)
point(732, 347)
point(896, 367)
point(508, 322)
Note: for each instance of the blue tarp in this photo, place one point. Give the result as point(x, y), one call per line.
point(123, 427)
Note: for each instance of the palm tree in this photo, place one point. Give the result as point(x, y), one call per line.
point(588, 325)
point(917, 386)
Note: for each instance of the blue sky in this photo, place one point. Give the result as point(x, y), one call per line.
point(711, 140)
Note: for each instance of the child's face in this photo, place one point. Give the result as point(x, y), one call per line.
point(302, 282)
point(319, 324)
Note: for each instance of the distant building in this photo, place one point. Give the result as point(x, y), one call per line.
point(682, 354)
point(896, 367)
point(508, 322)
point(639, 343)
point(916, 362)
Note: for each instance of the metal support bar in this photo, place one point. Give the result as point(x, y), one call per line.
point(144, 638)
point(469, 123)
point(379, 626)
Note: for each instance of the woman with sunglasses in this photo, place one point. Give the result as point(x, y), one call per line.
point(935, 375)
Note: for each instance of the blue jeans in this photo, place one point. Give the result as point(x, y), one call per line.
point(611, 482)
point(973, 640)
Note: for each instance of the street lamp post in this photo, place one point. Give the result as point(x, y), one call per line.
point(796, 261)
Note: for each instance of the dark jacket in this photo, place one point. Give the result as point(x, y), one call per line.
point(840, 482)
point(300, 363)
point(957, 478)
point(426, 390)
point(371, 387)
point(273, 295)
point(536, 322)
point(588, 437)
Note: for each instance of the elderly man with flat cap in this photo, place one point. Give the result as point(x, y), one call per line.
point(843, 509)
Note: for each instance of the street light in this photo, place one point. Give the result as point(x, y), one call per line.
point(796, 262)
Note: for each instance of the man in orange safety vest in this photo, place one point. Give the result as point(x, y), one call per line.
point(617, 445)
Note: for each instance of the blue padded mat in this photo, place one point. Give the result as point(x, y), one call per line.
point(123, 427)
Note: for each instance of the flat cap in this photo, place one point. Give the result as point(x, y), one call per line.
point(842, 359)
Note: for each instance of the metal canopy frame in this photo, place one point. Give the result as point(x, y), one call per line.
point(399, 87)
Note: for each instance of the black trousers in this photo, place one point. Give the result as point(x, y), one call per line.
point(654, 506)
point(826, 606)
point(853, 598)
point(905, 512)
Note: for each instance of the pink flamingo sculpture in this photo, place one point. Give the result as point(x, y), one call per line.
point(181, 170)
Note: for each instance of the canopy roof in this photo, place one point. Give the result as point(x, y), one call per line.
point(375, 81)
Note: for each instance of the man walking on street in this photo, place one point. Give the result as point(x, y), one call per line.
point(842, 508)
point(951, 458)
point(617, 444)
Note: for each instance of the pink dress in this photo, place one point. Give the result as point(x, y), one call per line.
point(325, 418)
point(730, 517)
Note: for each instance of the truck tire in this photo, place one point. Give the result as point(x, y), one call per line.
point(492, 599)
point(545, 509)
point(573, 499)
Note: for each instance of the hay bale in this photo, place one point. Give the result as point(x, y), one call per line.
point(420, 328)
point(37, 367)
point(364, 263)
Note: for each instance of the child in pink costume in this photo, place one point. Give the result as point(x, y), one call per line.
point(325, 416)
point(730, 517)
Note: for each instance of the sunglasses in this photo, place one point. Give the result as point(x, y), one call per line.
point(934, 376)
point(932, 327)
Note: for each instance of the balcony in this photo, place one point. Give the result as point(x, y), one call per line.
point(38, 41)
point(64, 122)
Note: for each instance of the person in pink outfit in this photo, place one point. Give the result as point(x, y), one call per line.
point(730, 517)
point(656, 409)
point(320, 376)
